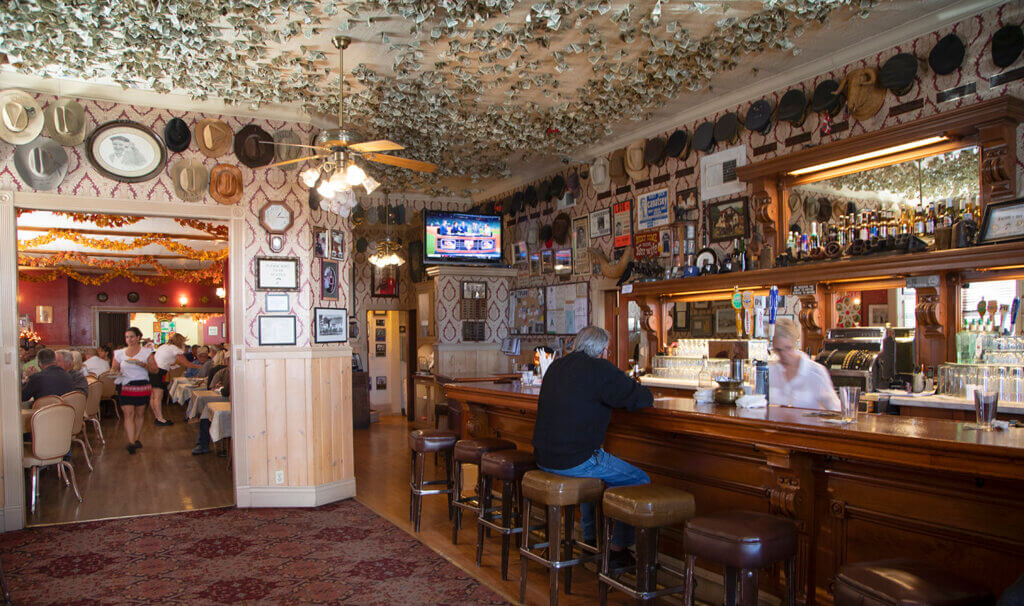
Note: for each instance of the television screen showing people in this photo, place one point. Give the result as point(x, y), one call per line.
point(462, 238)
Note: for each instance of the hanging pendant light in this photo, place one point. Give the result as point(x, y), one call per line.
point(388, 251)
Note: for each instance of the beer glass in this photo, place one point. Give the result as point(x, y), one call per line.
point(986, 399)
point(848, 398)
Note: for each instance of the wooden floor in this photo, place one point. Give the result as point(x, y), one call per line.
point(382, 484)
point(162, 477)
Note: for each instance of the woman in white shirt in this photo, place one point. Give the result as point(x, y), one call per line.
point(131, 363)
point(795, 379)
point(169, 355)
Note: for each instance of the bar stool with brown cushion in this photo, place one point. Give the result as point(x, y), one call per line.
point(441, 411)
point(421, 442)
point(506, 467)
point(560, 495)
point(743, 542)
point(904, 582)
point(647, 508)
point(469, 451)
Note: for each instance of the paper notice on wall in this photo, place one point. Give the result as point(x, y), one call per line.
point(622, 224)
point(718, 173)
point(652, 209)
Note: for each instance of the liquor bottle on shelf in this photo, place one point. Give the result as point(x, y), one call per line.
point(929, 222)
point(740, 256)
point(862, 227)
point(812, 240)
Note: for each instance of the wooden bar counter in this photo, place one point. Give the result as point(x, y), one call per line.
point(886, 486)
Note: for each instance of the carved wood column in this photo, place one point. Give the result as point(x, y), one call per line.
point(765, 208)
point(791, 495)
point(998, 160)
point(934, 314)
point(811, 321)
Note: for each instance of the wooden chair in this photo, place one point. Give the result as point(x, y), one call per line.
point(51, 429)
point(109, 391)
point(78, 401)
point(92, 406)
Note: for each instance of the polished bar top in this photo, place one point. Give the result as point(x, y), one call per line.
point(930, 443)
point(468, 377)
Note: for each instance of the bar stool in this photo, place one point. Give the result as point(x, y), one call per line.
point(903, 581)
point(647, 508)
point(469, 451)
point(507, 467)
point(556, 492)
point(742, 541)
point(439, 410)
point(421, 442)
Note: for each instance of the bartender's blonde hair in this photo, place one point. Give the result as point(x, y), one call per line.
point(788, 329)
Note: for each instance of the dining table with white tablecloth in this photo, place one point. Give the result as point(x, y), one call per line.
point(199, 400)
point(180, 390)
point(218, 413)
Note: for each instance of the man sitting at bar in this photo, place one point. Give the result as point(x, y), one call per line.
point(795, 379)
point(50, 380)
point(575, 404)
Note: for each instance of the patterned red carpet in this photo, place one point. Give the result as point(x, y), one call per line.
point(340, 553)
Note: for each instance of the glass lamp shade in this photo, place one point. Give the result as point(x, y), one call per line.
point(325, 189)
point(310, 176)
point(354, 175)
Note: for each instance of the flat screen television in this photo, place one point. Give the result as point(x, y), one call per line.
point(456, 238)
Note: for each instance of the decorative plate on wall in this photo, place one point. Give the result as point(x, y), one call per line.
point(204, 299)
point(162, 298)
point(133, 297)
point(101, 297)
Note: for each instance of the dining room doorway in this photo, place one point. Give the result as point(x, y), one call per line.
point(388, 360)
point(79, 278)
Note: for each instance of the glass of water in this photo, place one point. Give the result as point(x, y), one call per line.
point(986, 400)
point(849, 398)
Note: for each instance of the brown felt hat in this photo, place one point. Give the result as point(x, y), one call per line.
point(213, 137)
point(560, 228)
point(226, 183)
point(617, 168)
point(254, 147)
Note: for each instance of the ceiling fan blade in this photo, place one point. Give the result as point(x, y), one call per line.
point(376, 146)
point(419, 165)
point(294, 145)
point(300, 159)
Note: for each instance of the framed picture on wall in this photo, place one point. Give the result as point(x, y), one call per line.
point(700, 327)
point(727, 220)
point(44, 314)
point(380, 335)
point(338, 244)
point(519, 252)
point(328, 280)
point(383, 281)
point(321, 247)
point(1003, 222)
point(725, 322)
point(681, 316)
point(381, 350)
point(601, 223)
point(474, 290)
point(547, 261)
point(274, 273)
point(535, 264)
point(276, 330)
point(330, 325)
point(878, 315)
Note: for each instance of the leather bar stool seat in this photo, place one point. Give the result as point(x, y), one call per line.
point(742, 541)
point(507, 468)
point(904, 582)
point(648, 508)
point(469, 451)
point(552, 489)
point(432, 440)
point(421, 442)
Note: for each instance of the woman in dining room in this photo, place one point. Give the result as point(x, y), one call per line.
point(169, 355)
point(795, 379)
point(131, 363)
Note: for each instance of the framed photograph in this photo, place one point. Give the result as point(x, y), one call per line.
point(700, 327)
point(681, 316)
point(563, 261)
point(24, 322)
point(212, 331)
point(381, 350)
point(601, 223)
point(330, 325)
point(519, 254)
point(535, 264)
point(274, 273)
point(379, 323)
point(581, 246)
point(1003, 222)
point(380, 335)
point(664, 242)
point(701, 304)
point(878, 315)
point(727, 220)
point(329, 279)
point(381, 383)
point(337, 244)
point(126, 151)
point(547, 261)
point(383, 281)
point(353, 328)
point(277, 302)
point(321, 247)
point(725, 322)
point(276, 330)
point(357, 362)
point(44, 314)
point(474, 290)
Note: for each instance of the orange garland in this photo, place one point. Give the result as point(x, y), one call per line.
point(140, 242)
point(103, 220)
point(211, 274)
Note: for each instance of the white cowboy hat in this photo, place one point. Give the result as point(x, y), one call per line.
point(21, 117)
point(636, 165)
point(599, 174)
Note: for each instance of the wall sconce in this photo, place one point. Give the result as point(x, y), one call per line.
point(221, 292)
point(183, 300)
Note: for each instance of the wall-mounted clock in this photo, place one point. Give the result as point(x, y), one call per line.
point(276, 242)
point(276, 217)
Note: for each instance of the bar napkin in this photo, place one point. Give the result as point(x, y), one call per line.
point(752, 401)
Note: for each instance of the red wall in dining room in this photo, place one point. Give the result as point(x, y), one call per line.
point(54, 294)
point(220, 322)
point(872, 297)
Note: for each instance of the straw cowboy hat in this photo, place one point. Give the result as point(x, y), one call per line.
point(190, 180)
point(64, 121)
point(42, 164)
point(21, 117)
point(599, 174)
point(213, 137)
point(636, 166)
point(226, 183)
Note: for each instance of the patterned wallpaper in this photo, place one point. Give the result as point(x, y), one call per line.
point(448, 308)
point(977, 67)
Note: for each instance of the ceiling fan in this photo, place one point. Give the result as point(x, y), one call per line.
point(337, 150)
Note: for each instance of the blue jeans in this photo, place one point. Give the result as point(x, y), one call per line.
point(615, 472)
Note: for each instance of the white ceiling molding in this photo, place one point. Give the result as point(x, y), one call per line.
point(882, 41)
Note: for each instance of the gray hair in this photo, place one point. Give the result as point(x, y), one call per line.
point(66, 357)
point(592, 340)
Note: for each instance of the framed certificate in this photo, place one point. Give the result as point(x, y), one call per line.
point(274, 273)
point(277, 330)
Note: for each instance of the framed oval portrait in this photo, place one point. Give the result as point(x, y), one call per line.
point(126, 151)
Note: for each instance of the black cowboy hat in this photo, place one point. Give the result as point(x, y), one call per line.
point(678, 145)
point(1007, 44)
point(727, 128)
point(557, 186)
point(544, 191)
point(793, 107)
point(545, 233)
point(825, 98)
point(947, 55)
point(759, 116)
point(898, 73)
point(704, 137)
point(530, 195)
point(177, 136)
point(519, 201)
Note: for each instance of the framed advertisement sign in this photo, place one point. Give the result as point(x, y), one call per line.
point(622, 224)
point(652, 209)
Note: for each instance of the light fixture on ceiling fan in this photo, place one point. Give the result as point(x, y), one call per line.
point(388, 250)
point(337, 172)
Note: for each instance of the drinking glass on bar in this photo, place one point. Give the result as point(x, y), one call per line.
point(986, 399)
point(848, 398)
